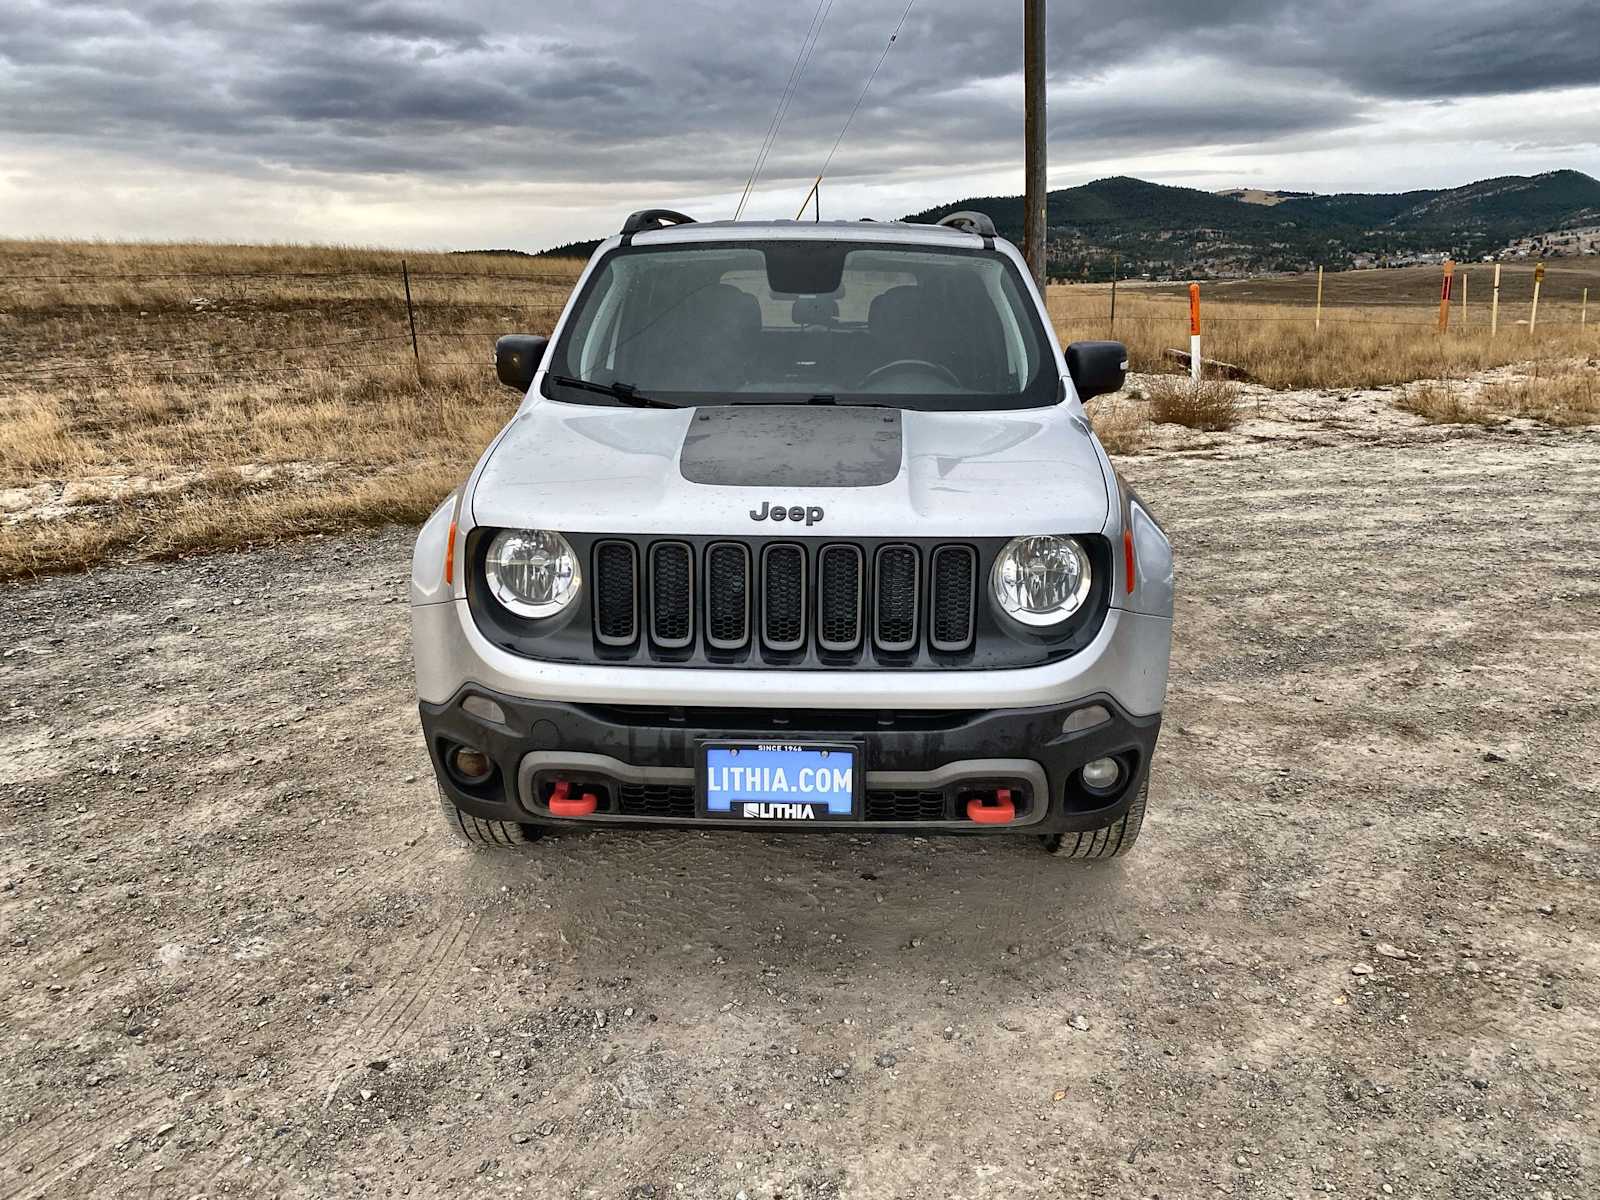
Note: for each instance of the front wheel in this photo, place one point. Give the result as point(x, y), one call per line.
point(1112, 841)
point(476, 831)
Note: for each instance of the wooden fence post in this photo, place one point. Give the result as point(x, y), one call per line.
point(1494, 304)
point(1194, 332)
point(411, 317)
point(1116, 269)
point(1538, 282)
point(1444, 294)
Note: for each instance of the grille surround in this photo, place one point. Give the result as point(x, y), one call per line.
point(573, 636)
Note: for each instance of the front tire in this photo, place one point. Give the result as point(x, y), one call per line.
point(1111, 841)
point(469, 830)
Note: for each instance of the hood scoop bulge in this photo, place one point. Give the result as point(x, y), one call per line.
point(792, 445)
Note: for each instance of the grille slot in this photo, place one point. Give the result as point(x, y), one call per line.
point(727, 595)
point(616, 594)
point(906, 805)
point(839, 598)
point(783, 597)
point(655, 799)
point(671, 595)
point(953, 581)
point(895, 616)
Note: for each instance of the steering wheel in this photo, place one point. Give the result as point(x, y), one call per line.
point(903, 364)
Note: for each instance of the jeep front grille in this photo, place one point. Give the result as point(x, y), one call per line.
point(831, 603)
point(799, 602)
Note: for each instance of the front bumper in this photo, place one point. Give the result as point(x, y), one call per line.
point(1127, 660)
point(920, 765)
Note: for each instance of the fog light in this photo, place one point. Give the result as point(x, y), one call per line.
point(1101, 773)
point(470, 764)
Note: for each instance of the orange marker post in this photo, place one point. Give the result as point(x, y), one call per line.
point(1444, 294)
point(1194, 332)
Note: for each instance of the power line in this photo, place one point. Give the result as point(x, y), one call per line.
point(878, 66)
point(802, 60)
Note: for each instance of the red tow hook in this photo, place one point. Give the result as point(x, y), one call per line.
point(992, 810)
point(564, 804)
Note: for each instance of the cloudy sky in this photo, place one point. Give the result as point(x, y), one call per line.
point(492, 122)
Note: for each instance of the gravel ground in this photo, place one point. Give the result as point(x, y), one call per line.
point(1356, 950)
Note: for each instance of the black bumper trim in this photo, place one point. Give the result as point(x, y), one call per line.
point(655, 739)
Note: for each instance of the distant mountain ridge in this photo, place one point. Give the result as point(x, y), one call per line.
point(1136, 227)
point(1151, 228)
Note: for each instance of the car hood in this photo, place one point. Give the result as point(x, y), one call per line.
point(870, 472)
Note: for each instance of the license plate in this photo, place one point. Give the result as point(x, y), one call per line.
point(780, 781)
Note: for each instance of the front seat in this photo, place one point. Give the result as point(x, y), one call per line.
point(703, 342)
point(904, 324)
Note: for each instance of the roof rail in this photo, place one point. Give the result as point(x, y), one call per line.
point(651, 218)
point(970, 222)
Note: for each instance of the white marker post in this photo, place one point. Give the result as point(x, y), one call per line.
point(1583, 311)
point(1319, 300)
point(1194, 332)
point(1463, 299)
point(1494, 304)
point(1538, 282)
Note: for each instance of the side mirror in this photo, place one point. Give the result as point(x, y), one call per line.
point(1097, 368)
point(516, 357)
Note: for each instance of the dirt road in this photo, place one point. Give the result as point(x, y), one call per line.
point(1357, 951)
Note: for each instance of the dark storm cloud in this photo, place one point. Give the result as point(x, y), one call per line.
point(680, 93)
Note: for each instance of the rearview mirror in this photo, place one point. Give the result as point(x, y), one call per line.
point(516, 357)
point(1097, 368)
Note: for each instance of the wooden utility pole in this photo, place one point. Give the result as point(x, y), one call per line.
point(1033, 72)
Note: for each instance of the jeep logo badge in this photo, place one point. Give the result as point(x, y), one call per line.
point(777, 512)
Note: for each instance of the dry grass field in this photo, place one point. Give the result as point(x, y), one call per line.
point(163, 398)
point(156, 399)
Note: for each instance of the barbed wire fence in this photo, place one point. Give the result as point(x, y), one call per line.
point(420, 298)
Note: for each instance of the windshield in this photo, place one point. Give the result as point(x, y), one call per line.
point(791, 321)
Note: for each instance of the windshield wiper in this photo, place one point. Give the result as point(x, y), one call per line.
point(623, 393)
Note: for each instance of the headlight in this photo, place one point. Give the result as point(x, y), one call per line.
point(1040, 580)
point(533, 572)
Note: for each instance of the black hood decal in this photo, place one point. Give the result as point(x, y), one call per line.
point(792, 445)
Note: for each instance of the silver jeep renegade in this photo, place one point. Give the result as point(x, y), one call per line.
point(798, 526)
